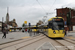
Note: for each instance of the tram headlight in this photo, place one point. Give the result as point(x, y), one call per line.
point(54, 32)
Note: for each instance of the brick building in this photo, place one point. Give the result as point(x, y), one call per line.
point(69, 16)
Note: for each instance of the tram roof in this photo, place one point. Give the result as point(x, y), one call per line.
point(53, 18)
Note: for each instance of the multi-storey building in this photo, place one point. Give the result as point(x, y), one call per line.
point(69, 17)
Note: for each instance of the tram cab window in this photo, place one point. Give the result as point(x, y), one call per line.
point(58, 25)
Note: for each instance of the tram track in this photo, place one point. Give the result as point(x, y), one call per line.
point(38, 43)
point(62, 44)
point(8, 45)
point(31, 42)
point(67, 44)
point(69, 40)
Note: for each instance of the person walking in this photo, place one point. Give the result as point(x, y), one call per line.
point(4, 33)
point(30, 32)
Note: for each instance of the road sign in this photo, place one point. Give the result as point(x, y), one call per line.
point(65, 23)
point(25, 22)
point(0, 24)
point(29, 24)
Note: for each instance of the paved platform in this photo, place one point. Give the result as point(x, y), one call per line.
point(13, 36)
point(46, 46)
point(0, 32)
point(70, 35)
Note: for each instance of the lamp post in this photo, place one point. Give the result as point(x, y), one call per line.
point(2, 24)
point(70, 19)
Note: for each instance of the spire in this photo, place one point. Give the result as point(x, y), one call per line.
point(7, 15)
point(7, 9)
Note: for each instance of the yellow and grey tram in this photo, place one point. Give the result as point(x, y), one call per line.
point(55, 27)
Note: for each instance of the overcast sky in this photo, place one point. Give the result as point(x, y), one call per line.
point(32, 10)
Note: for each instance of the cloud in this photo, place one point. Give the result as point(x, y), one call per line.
point(30, 10)
point(22, 14)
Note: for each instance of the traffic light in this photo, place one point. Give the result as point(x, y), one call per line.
point(68, 18)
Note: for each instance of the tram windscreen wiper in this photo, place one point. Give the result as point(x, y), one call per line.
point(55, 27)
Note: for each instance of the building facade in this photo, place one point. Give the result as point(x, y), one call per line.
point(69, 17)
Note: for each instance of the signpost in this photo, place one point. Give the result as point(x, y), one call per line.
point(65, 23)
point(2, 23)
point(25, 22)
point(29, 24)
point(0, 26)
point(29, 29)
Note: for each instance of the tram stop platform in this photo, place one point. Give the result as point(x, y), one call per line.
point(13, 36)
point(70, 35)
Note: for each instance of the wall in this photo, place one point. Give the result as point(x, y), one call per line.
point(62, 12)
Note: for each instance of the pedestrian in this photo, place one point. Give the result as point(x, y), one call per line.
point(26, 30)
point(30, 32)
point(7, 31)
point(34, 32)
point(65, 33)
point(4, 33)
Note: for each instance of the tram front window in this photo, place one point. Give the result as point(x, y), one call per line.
point(58, 25)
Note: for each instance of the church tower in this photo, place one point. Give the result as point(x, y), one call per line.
point(7, 16)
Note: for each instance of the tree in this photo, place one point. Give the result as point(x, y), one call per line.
point(39, 22)
point(23, 25)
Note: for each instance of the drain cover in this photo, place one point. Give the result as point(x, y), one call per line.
point(46, 46)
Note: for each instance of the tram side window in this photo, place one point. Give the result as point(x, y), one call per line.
point(50, 25)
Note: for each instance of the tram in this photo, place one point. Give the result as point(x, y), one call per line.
point(34, 30)
point(55, 27)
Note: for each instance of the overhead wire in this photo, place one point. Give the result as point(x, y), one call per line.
point(52, 6)
point(41, 6)
point(44, 9)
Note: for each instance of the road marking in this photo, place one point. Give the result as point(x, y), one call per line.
point(46, 46)
point(24, 37)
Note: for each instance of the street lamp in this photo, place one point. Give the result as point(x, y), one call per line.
point(2, 24)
